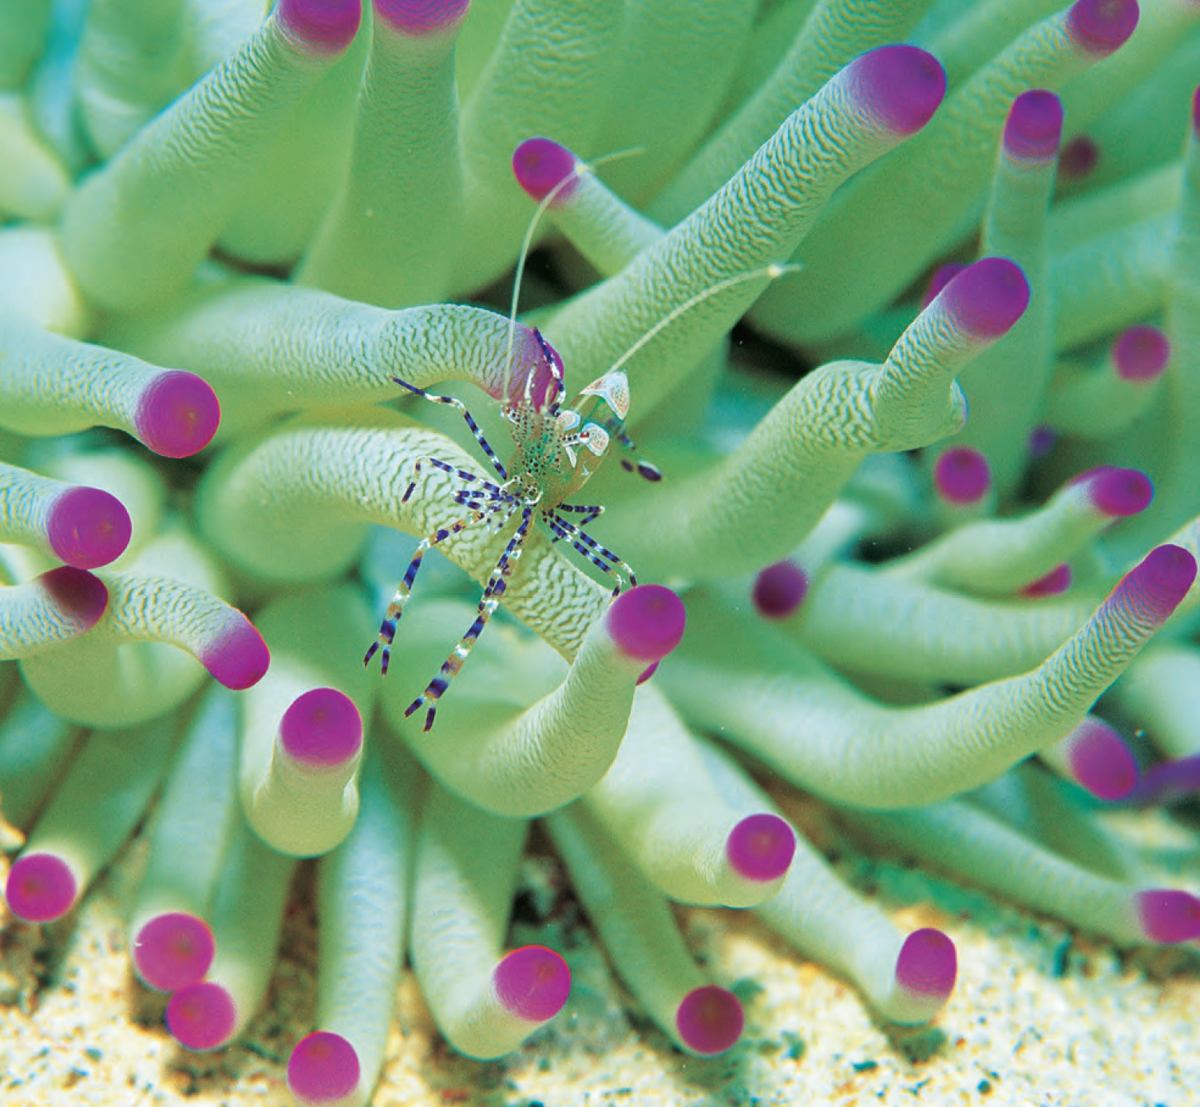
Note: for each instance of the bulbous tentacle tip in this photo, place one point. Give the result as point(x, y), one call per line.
point(1196, 112)
point(178, 414)
point(1054, 583)
point(1033, 129)
point(1120, 492)
point(323, 1070)
point(1167, 782)
point(961, 475)
point(987, 298)
point(40, 888)
point(1100, 26)
point(779, 590)
point(710, 1020)
point(900, 86)
point(88, 527)
point(202, 1016)
point(532, 983)
point(237, 656)
point(1168, 916)
point(80, 595)
point(322, 728)
point(1080, 156)
point(1101, 761)
point(1154, 587)
point(542, 165)
point(941, 277)
point(928, 964)
point(327, 26)
point(421, 17)
point(173, 950)
point(1141, 353)
point(761, 847)
point(647, 622)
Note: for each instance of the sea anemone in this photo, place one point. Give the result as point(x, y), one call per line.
point(277, 253)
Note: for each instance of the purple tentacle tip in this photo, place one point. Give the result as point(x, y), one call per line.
point(1054, 583)
point(761, 847)
point(237, 656)
point(532, 357)
point(1168, 916)
point(1100, 26)
point(322, 728)
point(646, 623)
point(987, 298)
point(899, 86)
point(323, 1069)
point(40, 888)
point(1154, 587)
point(88, 528)
point(1041, 441)
point(1141, 353)
point(78, 594)
point(177, 414)
point(647, 672)
point(1118, 492)
point(961, 475)
point(1100, 760)
point(1168, 781)
point(1196, 112)
point(779, 589)
point(928, 964)
point(173, 950)
point(1079, 157)
point(1033, 129)
point(421, 17)
point(328, 26)
point(541, 165)
point(201, 1016)
point(532, 982)
point(710, 1020)
point(942, 276)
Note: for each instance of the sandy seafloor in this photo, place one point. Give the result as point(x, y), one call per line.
point(1041, 1015)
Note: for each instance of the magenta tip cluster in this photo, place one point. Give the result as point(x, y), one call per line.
point(326, 25)
point(900, 86)
point(928, 964)
point(1168, 916)
point(173, 950)
point(646, 623)
point(541, 165)
point(77, 593)
point(779, 589)
point(961, 475)
point(237, 656)
point(1054, 583)
point(941, 277)
point(1101, 761)
point(1033, 129)
point(201, 1016)
point(1141, 353)
point(1100, 26)
point(761, 847)
point(323, 1069)
point(177, 414)
point(1156, 585)
point(532, 983)
point(421, 17)
point(88, 528)
point(322, 728)
point(1118, 492)
point(40, 888)
point(987, 298)
point(710, 1020)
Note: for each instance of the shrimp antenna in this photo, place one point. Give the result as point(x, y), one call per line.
point(772, 272)
point(580, 168)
